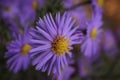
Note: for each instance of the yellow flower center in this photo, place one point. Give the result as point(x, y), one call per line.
point(93, 33)
point(25, 48)
point(100, 2)
point(34, 4)
point(60, 45)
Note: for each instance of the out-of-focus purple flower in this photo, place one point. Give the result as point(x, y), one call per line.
point(21, 12)
point(83, 67)
point(27, 12)
point(52, 41)
point(80, 14)
point(34, 4)
point(97, 5)
point(9, 9)
point(18, 52)
point(66, 73)
point(69, 3)
point(18, 14)
point(93, 37)
point(109, 44)
point(27, 16)
point(41, 3)
point(15, 29)
point(118, 33)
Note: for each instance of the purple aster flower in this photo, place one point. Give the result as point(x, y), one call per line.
point(52, 41)
point(9, 9)
point(84, 66)
point(22, 12)
point(118, 33)
point(80, 14)
point(26, 16)
point(34, 4)
point(66, 73)
point(15, 29)
point(18, 52)
point(70, 3)
point(23, 16)
point(97, 5)
point(27, 12)
point(109, 43)
point(41, 3)
point(93, 37)
point(28, 8)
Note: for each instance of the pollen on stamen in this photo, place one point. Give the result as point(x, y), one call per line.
point(60, 45)
point(93, 33)
point(25, 48)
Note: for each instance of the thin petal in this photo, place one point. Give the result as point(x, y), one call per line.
point(40, 48)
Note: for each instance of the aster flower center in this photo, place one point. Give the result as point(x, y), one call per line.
point(34, 4)
point(100, 2)
point(93, 33)
point(60, 45)
point(25, 48)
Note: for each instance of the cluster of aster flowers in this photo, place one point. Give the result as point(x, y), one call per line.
point(49, 45)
